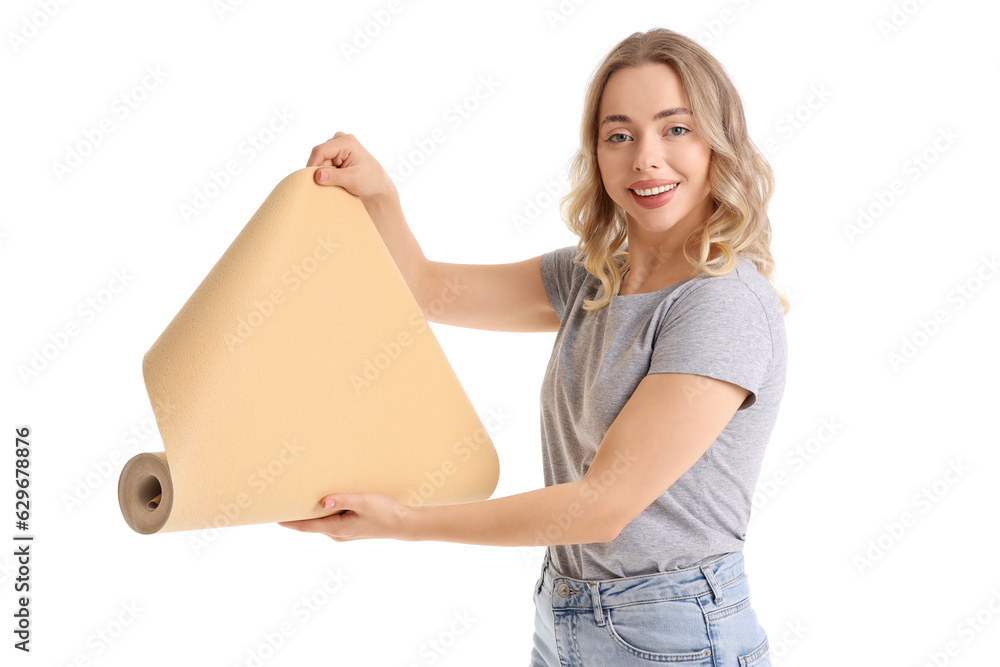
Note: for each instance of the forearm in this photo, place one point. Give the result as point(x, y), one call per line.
point(386, 213)
point(559, 514)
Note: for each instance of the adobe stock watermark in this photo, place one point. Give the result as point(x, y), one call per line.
point(264, 308)
point(249, 148)
point(591, 492)
point(462, 451)
point(367, 33)
point(454, 117)
point(789, 292)
point(32, 24)
point(549, 193)
point(923, 501)
point(432, 650)
point(914, 167)
point(103, 638)
point(792, 634)
point(109, 466)
point(966, 631)
point(795, 461)
point(121, 107)
point(658, 258)
point(304, 609)
point(257, 482)
point(899, 15)
point(559, 13)
point(794, 120)
point(223, 8)
point(926, 329)
point(87, 310)
point(714, 27)
point(534, 555)
point(654, 260)
point(562, 520)
point(694, 384)
point(389, 351)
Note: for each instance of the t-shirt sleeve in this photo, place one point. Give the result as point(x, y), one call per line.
point(557, 276)
point(720, 330)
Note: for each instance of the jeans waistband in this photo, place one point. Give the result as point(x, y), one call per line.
point(711, 577)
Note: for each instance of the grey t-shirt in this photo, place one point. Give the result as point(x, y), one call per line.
point(727, 327)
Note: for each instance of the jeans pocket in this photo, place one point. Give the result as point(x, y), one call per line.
point(739, 632)
point(662, 631)
point(759, 657)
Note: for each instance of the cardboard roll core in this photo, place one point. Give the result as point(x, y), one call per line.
point(145, 493)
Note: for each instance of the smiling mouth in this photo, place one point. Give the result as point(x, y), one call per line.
point(652, 192)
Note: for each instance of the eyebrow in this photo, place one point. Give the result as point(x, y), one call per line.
point(621, 118)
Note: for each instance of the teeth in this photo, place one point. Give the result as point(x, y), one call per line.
point(648, 192)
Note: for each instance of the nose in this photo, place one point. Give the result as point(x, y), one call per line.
point(648, 153)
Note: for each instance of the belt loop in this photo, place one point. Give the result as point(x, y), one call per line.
point(712, 582)
point(541, 577)
point(595, 595)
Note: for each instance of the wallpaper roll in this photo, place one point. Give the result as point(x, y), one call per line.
point(301, 366)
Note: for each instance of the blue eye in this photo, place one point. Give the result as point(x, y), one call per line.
point(683, 131)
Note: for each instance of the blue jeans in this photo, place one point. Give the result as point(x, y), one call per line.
point(698, 616)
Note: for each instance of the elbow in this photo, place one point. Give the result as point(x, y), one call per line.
point(606, 529)
point(604, 519)
point(610, 535)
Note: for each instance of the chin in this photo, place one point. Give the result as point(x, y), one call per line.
point(655, 222)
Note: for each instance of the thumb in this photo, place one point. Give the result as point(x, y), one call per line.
point(339, 502)
point(327, 175)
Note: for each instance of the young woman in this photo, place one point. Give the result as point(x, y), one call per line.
point(665, 379)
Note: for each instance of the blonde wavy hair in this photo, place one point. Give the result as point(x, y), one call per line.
point(741, 180)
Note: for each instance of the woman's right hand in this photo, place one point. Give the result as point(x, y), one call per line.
point(344, 162)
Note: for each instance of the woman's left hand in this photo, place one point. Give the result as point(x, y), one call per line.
point(361, 516)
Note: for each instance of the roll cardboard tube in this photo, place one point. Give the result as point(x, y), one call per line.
point(302, 366)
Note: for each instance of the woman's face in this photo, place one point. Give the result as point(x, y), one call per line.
point(641, 148)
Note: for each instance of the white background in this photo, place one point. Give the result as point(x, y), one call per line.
point(846, 105)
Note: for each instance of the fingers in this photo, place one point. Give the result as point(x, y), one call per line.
point(317, 525)
point(304, 525)
point(332, 152)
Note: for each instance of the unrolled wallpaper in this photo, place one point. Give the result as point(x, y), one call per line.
point(301, 366)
